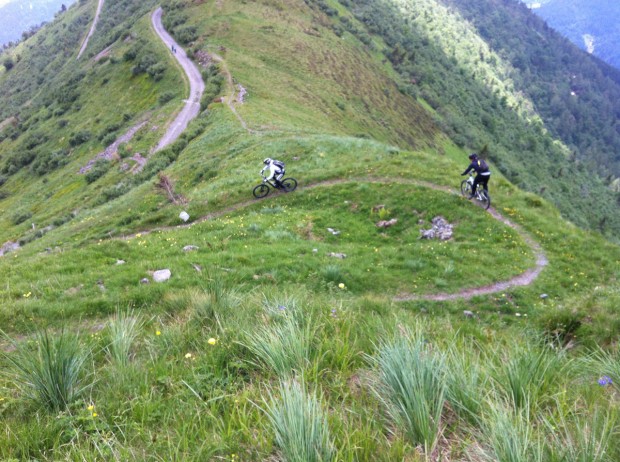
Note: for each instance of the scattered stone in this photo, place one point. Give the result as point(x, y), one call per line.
point(376, 208)
point(333, 231)
point(120, 262)
point(197, 267)
point(189, 248)
point(74, 290)
point(100, 284)
point(441, 230)
point(145, 281)
point(184, 216)
point(8, 247)
point(543, 296)
point(468, 314)
point(387, 223)
point(241, 94)
point(162, 275)
point(315, 250)
point(337, 255)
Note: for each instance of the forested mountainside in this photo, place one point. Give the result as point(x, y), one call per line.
point(500, 80)
point(20, 16)
point(593, 25)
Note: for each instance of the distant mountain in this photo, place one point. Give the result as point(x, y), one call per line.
point(593, 25)
point(18, 16)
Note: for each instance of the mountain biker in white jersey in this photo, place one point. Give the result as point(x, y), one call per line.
point(482, 173)
point(276, 170)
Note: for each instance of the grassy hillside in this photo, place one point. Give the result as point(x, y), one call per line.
point(263, 331)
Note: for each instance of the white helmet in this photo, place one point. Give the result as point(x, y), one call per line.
point(267, 161)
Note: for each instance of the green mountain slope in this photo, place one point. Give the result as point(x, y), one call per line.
point(300, 310)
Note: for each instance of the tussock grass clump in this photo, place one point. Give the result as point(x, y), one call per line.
point(577, 436)
point(510, 435)
point(214, 301)
point(284, 346)
point(412, 386)
point(605, 366)
point(123, 330)
point(300, 424)
point(52, 374)
point(467, 381)
point(528, 376)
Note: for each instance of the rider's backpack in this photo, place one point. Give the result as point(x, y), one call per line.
point(483, 165)
point(279, 164)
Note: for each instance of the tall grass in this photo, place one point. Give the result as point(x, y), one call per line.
point(509, 434)
point(53, 374)
point(582, 437)
point(529, 375)
point(412, 386)
point(604, 367)
point(214, 301)
point(300, 424)
point(123, 330)
point(467, 381)
point(284, 346)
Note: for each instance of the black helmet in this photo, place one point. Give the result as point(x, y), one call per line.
point(267, 161)
point(473, 156)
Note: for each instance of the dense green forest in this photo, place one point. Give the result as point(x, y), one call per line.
point(590, 24)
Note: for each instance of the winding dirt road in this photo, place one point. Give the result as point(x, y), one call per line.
point(92, 29)
point(196, 84)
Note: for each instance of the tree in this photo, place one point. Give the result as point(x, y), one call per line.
point(8, 63)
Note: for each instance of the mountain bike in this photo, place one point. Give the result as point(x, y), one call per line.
point(286, 185)
point(481, 195)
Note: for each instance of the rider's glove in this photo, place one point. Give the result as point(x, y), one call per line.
point(463, 174)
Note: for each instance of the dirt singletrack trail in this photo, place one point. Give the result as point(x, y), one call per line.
point(523, 279)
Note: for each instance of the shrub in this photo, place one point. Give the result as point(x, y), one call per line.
point(20, 217)
point(165, 97)
point(79, 138)
point(186, 34)
point(100, 168)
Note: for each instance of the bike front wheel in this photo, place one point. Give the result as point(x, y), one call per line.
point(289, 184)
point(485, 199)
point(261, 191)
point(466, 188)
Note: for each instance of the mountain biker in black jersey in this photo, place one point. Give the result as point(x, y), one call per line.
point(276, 170)
point(482, 173)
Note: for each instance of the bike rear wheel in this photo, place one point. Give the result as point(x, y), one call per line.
point(289, 184)
point(466, 188)
point(485, 199)
point(261, 191)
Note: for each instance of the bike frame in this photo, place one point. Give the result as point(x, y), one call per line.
point(470, 180)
